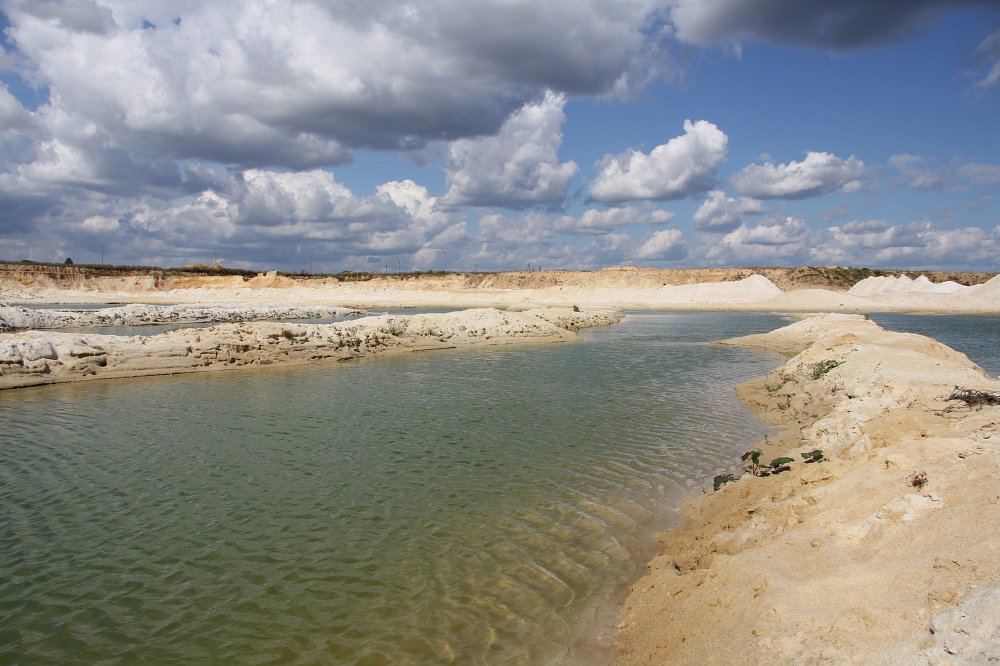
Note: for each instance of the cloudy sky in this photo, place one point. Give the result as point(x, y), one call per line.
point(497, 134)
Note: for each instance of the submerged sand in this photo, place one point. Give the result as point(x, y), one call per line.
point(885, 553)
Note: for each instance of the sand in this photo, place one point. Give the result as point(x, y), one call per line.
point(622, 289)
point(32, 358)
point(854, 560)
point(14, 318)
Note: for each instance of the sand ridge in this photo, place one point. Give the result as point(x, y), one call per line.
point(853, 560)
point(32, 358)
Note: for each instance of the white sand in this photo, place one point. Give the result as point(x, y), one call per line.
point(617, 289)
point(14, 318)
point(848, 561)
point(44, 357)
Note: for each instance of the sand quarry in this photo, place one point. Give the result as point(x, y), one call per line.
point(884, 549)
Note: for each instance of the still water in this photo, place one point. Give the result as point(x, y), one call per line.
point(467, 506)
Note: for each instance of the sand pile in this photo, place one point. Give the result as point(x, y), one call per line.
point(856, 559)
point(901, 284)
point(753, 288)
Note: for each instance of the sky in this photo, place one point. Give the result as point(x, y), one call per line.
point(371, 135)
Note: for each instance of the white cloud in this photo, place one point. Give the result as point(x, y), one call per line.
point(819, 173)
point(264, 218)
point(915, 245)
point(981, 174)
point(986, 59)
point(530, 229)
point(721, 214)
point(594, 221)
point(914, 175)
point(776, 240)
point(663, 245)
point(518, 166)
point(300, 84)
point(684, 165)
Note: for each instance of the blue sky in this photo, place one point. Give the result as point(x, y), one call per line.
point(453, 134)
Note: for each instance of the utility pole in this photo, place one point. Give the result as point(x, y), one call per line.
point(102, 254)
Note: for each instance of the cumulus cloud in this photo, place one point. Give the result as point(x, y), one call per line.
point(595, 222)
point(914, 175)
point(722, 214)
point(774, 240)
point(265, 217)
point(301, 84)
point(839, 25)
point(663, 245)
point(682, 166)
point(519, 166)
point(917, 244)
point(819, 173)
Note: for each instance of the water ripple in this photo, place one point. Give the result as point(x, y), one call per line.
point(465, 507)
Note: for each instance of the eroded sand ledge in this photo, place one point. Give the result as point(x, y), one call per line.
point(846, 561)
point(33, 358)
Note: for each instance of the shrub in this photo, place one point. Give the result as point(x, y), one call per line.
point(975, 398)
point(823, 367)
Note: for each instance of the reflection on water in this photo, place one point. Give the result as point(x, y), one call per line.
point(459, 507)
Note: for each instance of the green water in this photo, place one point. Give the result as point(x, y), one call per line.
point(466, 507)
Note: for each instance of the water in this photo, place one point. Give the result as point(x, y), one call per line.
point(976, 336)
point(468, 506)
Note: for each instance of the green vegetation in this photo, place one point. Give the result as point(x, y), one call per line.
point(721, 480)
point(814, 456)
point(757, 468)
point(823, 367)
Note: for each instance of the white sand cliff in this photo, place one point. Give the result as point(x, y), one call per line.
point(853, 560)
point(33, 358)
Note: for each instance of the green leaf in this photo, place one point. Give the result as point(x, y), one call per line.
point(784, 460)
point(721, 480)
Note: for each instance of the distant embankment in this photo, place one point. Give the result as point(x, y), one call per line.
point(130, 278)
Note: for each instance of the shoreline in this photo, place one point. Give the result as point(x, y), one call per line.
point(853, 560)
point(35, 358)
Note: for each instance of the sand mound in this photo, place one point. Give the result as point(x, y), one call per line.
point(882, 554)
point(900, 284)
point(753, 288)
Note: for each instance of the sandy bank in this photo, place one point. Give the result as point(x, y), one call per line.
point(852, 560)
point(43, 357)
point(21, 318)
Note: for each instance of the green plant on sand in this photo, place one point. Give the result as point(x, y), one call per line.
point(757, 468)
point(823, 367)
point(814, 456)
